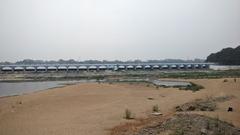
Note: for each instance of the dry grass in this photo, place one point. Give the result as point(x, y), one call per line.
point(134, 126)
point(208, 104)
point(190, 124)
point(155, 108)
point(129, 127)
point(128, 114)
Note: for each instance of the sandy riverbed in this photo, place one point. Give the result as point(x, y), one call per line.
point(93, 109)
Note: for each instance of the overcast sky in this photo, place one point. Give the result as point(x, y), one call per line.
point(116, 29)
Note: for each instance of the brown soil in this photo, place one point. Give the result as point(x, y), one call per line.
point(94, 109)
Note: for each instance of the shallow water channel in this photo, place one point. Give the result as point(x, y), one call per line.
point(170, 83)
point(19, 88)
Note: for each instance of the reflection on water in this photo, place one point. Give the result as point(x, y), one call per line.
point(18, 88)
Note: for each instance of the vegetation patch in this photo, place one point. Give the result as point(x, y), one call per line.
point(128, 114)
point(223, 98)
point(193, 87)
point(225, 80)
point(198, 105)
point(208, 74)
point(132, 127)
point(155, 108)
point(208, 104)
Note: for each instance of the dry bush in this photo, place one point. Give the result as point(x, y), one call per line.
point(225, 80)
point(128, 114)
point(133, 127)
point(155, 108)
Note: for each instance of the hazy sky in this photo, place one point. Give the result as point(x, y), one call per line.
point(117, 29)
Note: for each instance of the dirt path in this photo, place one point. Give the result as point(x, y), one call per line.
point(93, 109)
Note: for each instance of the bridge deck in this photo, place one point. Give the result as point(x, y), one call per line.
point(98, 67)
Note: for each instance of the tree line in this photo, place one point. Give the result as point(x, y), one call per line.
point(227, 56)
point(72, 61)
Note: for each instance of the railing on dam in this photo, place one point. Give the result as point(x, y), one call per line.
point(101, 67)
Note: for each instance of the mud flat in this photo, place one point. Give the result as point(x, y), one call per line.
point(96, 108)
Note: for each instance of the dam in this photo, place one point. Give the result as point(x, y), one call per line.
point(101, 67)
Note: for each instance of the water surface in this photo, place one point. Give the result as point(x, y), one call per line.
point(170, 83)
point(19, 88)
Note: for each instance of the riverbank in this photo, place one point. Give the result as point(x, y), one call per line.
point(25, 87)
point(63, 76)
point(95, 108)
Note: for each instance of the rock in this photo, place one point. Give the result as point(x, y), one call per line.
point(203, 131)
point(230, 109)
point(179, 109)
point(191, 108)
point(157, 113)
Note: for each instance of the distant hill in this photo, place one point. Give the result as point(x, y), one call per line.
point(227, 56)
point(71, 61)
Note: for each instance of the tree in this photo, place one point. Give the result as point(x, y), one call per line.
point(227, 56)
